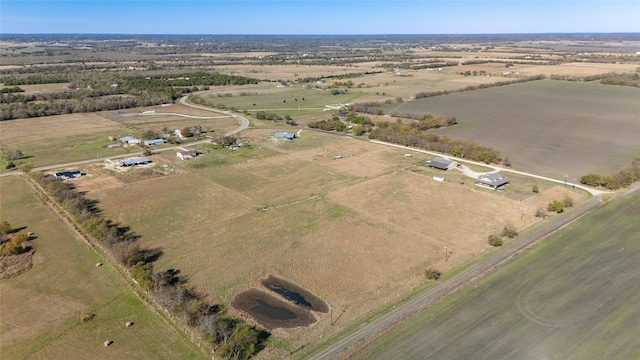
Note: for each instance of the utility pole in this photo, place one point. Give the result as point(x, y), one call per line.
point(566, 176)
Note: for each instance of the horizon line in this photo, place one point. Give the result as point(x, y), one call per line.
point(370, 34)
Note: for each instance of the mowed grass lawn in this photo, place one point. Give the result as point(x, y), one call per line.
point(574, 296)
point(42, 307)
point(546, 127)
point(355, 231)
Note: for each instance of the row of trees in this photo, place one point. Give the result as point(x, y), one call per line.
point(623, 178)
point(230, 338)
point(410, 135)
point(422, 95)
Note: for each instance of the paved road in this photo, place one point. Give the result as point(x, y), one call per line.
point(244, 124)
point(369, 332)
point(244, 120)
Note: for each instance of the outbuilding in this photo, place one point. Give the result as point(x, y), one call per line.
point(494, 181)
point(285, 135)
point(136, 161)
point(130, 140)
point(187, 154)
point(154, 142)
point(442, 164)
point(64, 175)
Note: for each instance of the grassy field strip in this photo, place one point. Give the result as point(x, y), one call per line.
point(375, 329)
point(67, 284)
point(573, 296)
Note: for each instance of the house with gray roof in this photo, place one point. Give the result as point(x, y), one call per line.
point(494, 181)
point(442, 164)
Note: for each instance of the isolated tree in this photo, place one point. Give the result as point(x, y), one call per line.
point(186, 131)
point(541, 213)
point(568, 201)
point(10, 165)
point(495, 240)
point(556, 206)
point(5, 227)
point(149, 135)
point(509, 231)
point(535, 189)
point(25, 168)
point(591, 179)
point(14, 246)
point(432, 274)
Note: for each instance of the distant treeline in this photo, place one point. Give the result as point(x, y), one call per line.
point(110, 92)
point(36, 79)
point(422, 95)
point(227, 336)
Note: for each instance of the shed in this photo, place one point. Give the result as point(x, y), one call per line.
point(285, 136)
point(130, 140)
point(154, 142)
point(136, 161)
point(493, 180)
point(64, 175)
point(187, 154)
point(442, 164)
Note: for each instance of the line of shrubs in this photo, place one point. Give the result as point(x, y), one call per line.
point(228, 337)
point(623, 178)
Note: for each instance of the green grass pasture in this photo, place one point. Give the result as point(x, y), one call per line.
point(546, 127)
point(41, 308)
point(63, 138)
point(574, 296)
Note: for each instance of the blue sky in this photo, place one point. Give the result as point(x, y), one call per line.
point(317, 17)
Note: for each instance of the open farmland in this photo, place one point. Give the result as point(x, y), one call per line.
point(574, 296)
point(75, 137)
point(323, 223)
point(545, 127)
point(42, 307)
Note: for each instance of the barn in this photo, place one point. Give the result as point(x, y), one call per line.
point(129, 140)
point(285, 135)
point(154, 142)
point(494, 181)
point(64, 175)
point(442, 164)
point(136, 161)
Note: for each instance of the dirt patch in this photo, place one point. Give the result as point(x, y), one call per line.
point(14, 265)
point(270, 311)
point(557, 192)
point(97, 183)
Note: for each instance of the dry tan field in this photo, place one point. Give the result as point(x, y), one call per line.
point(354, 231)
point(576, 69)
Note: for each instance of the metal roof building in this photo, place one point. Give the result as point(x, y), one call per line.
point(136, 161)
point(493, 180)
point(154, 142)
point(285, 136)
point(442, 164)
point(64, 175)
